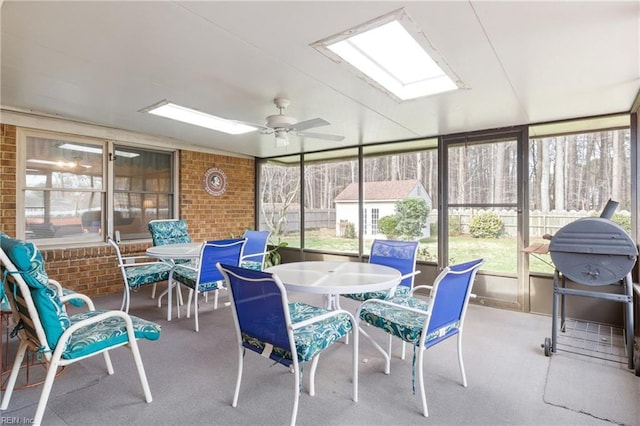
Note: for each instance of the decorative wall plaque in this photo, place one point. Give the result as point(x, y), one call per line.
point(215, 181)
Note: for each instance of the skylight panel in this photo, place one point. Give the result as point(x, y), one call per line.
point(389, 54)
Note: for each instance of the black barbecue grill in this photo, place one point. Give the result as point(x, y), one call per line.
point(592, 252)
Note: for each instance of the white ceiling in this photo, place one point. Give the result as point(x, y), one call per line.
point(522, 62)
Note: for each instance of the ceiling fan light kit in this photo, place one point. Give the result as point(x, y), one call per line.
point(282, 125)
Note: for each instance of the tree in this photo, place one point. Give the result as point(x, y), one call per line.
point(412, 217)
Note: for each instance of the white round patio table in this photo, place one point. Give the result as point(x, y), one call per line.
point(170, 253)
point(335, 278)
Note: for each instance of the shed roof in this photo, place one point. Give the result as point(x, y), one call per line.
point(386, 190)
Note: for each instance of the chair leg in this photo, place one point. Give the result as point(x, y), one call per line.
point(296, 394)
point(22, 349)
point(189, 302)
point(133, 345)
point(107, 360)
point(125, 299)
point(153, 291)
point(239, 378)
point(215, 299)
point(195, 309)
point(460, 362)
point(356, 334)
point(46, 390)
point(312, 375)
point(423, 396)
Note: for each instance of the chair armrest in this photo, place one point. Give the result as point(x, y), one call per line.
point(181, 266)
point(78, 296)
point(395, 305)
point(430, 287)
point(155, 262)
point(421, 287)
point(56, 285)
point(80, 324)
point(323, 317)
point(264, 253)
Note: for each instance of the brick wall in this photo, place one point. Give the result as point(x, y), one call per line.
point(92, 270)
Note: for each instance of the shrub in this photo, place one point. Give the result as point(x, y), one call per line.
point(388, 226)
point(486, 225)
point(350, 231)
point(412, 217)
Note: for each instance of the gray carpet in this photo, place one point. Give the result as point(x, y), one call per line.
point(598, 388)
point(192, 377)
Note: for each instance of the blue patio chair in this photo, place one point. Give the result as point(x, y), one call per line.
point(205, 277)
point(59, 339)
point(255, 249)
point(266, 323)
point(169, 231)
point(400, 255)
point(425, 323)
point(138, 271)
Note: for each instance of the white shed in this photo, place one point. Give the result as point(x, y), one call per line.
point(379, 201)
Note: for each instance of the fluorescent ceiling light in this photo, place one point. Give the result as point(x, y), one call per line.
point(386, 52)
point(187, 115)
point(94, 150)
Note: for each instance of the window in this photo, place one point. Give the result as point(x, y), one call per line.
point(279, 190)
point(400, 191)
point(572, 175)
point(331, 201)
point(374, 221)
point(66, 188)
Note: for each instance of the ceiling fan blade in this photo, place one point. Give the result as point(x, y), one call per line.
point(308, 124)
point(324, 136)
point(260, 127)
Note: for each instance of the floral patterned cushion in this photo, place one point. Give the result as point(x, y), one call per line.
point(401, 323)
point(189, 277)
point(309, 340)
point(401, 290)
point(250, 264)
point(107, 333)
point(147, 274)
point(30, 265)
point(169, 232)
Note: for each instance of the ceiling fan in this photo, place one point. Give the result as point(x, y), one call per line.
point(282, 125)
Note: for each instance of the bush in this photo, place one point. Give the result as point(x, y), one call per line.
point(624, 220)
point(350, 231)
point(388, 226)
point(486, 225)
point(412, 217)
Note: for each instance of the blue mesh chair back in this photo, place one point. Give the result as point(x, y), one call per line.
point(400, 255)
point(260, 309)
point(223, 251)
point(450, 297)
point(255, 249)
point(170, 231)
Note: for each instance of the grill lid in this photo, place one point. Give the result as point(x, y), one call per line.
point(593, 251)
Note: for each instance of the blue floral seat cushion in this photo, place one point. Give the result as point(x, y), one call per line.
point(169, 232)
point(251, 264)
point(138, 276)
point(189, 277)
point(401, 290)
point(311, 339)
point(106, 333)
point(401, 323)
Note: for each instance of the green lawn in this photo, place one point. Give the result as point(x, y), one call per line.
point(500, 254)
